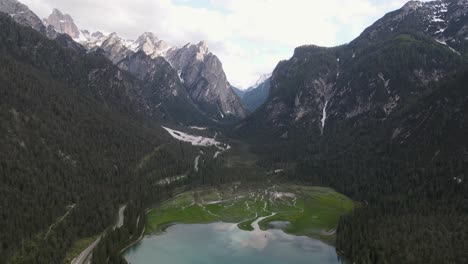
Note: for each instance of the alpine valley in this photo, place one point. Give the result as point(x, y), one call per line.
point(138, 151)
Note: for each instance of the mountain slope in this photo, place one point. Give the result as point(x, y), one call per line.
point(136, 93)
point(257, 95)
point(239, 92)
point(22, 14)
point(381, 119)
point(62, 24)
point(150, 44)
point(74, 128)
point(379, 72)
point(200, 70)
point(206, 81)
point(164, 89)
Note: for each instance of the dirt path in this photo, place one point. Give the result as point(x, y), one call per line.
point(60, 220)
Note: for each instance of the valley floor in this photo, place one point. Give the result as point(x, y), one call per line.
point(298, 210)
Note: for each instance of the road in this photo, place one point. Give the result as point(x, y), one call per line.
point(84, 256)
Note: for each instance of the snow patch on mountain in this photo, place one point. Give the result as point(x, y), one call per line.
point(199, 70)
point(198, 128)
point(197, 140)
point(261, 80)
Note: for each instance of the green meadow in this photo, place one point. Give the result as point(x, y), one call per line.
point(308, 211)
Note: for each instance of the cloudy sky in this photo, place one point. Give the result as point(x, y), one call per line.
point(249, 36)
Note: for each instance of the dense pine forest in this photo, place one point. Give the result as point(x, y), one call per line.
point(70, 150)
point(81, 137)
point(64, 149)
point(413, 202)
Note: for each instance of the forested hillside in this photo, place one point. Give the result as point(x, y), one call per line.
point(382, 119)
point(408, 174)
point(71, 139)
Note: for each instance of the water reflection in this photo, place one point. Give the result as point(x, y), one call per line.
point(226, 243)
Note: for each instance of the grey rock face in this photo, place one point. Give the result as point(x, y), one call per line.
point(199, 70)
point(92, 40)
point(151, 45)
point(445, 21)
point(163, 88)
point(206, 81)
point(115, 48)
point(22, 14)
point(158, 70)
point(391, 64)
point(257, 95)
point(62, 24)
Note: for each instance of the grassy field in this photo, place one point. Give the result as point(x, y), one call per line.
point(310, 211)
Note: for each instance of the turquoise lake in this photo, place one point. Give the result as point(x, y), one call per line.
point(224, 243)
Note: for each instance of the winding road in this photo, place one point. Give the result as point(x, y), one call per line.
point(85, 256)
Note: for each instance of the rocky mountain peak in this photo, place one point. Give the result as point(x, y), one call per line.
point(206, 81)
point(97, 34)
point(115, 47)
point(22, 14)
point(148, 36)
point(203, 46)
point(57, 12)
point(355, 83)
point(261, 80)
point(198, 51)
point(412, 5)
point(445, 21)
point(199, 70)
point(149, 43)
point(114, 35)
point(112, 39)
point(62, 23)
point(91, 40)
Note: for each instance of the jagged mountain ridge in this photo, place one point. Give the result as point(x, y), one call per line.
point(444, 20)
point(383, 98)
point(163, 87)
point(74, 127)
point(22, 14)
point(200, 70)
point(382, 119)
point(378, 73)
point(116, 88)
point(62, 23)
point(206, 81)
point(150, 44)
point(118, 49)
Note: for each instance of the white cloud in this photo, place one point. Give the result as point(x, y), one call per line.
point(250, 37)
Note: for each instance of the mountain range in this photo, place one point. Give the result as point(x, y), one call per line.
point(200, 71)
point(377, 74)
point(382, 119)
